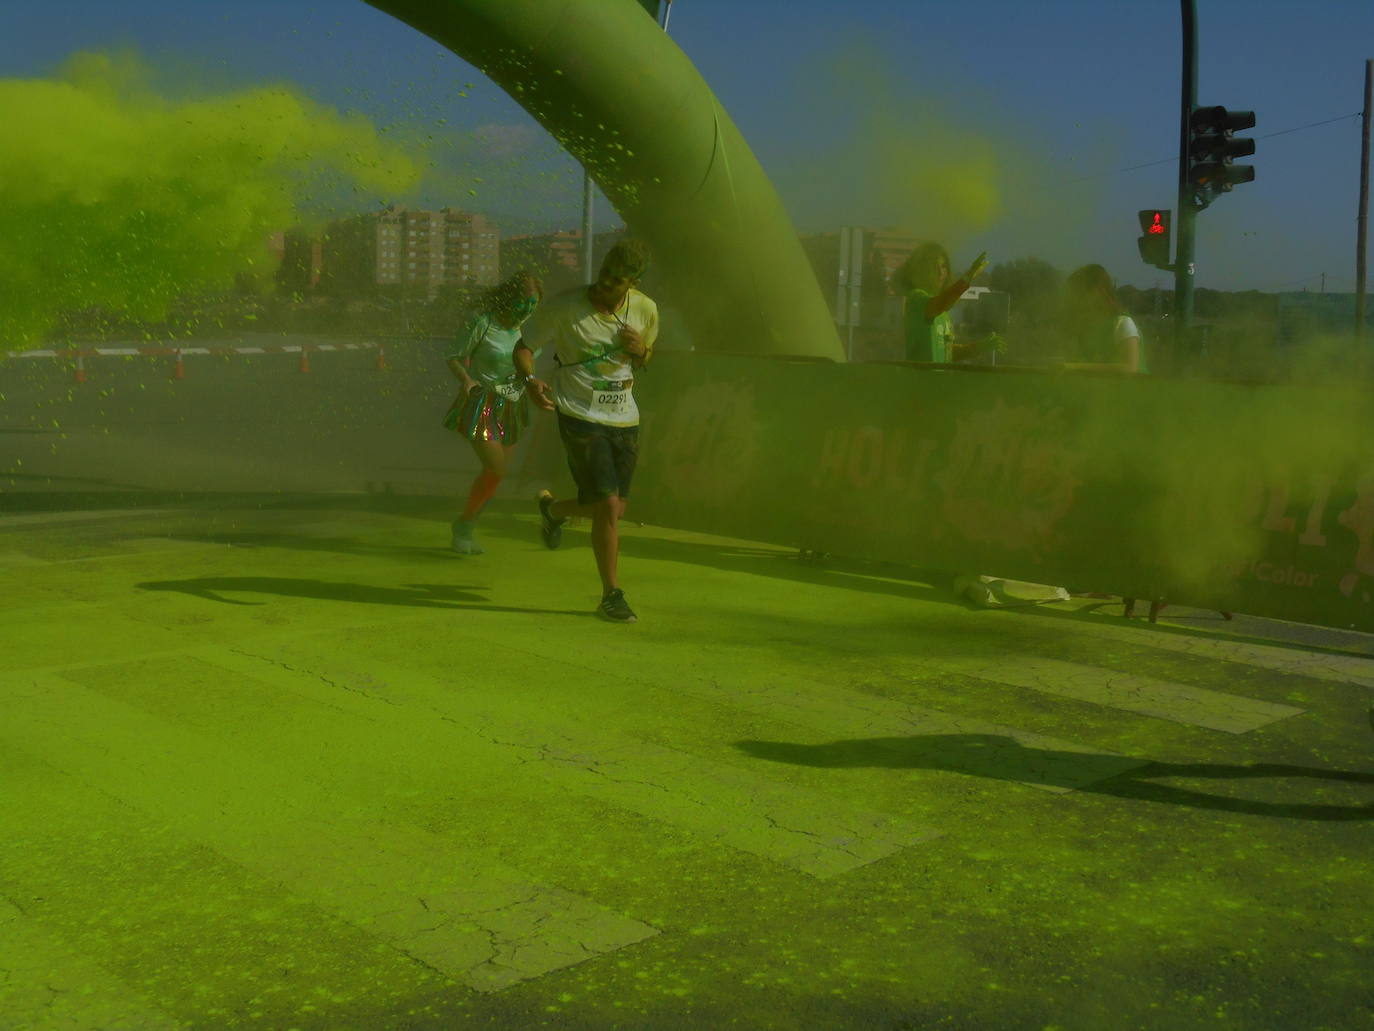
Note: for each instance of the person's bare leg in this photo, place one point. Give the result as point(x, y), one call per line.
point(606, 539)
point(493, 458)
point(605, 516)
point(492, 455)
point(569, 507)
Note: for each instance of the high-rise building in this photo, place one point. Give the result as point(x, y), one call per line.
point(431, 249)
point(556, 257)
point(298, 256)
point(889, 249)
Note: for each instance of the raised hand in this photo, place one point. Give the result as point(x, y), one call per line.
point(976, 269)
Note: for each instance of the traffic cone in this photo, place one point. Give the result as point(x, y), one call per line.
point(381, 358)
point(305, 359)
point(79, 373)
point(179, 369)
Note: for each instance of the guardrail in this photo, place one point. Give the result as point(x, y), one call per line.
point(77, 355)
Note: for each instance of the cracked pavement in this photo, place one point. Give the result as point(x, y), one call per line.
point(781, 800)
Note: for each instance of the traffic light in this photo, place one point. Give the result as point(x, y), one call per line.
point(1154, 245)
point(1212, 144)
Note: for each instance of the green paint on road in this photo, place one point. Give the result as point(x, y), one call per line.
point(402, 789)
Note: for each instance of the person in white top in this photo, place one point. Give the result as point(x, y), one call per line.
point(1102, 335)
point(602, 334)
point(490, 410)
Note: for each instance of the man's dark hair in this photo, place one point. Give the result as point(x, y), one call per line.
point(628, 258)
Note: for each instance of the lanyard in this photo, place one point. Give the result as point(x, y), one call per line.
point(604, 354)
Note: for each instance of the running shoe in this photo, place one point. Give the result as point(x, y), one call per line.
point(462, 539)
point(614, 608)
point(550, 529)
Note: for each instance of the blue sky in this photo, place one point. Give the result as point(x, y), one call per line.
point(847, 104)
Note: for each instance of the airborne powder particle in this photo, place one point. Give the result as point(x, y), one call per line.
point(122, 198)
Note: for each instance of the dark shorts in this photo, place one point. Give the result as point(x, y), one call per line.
point(601, 458)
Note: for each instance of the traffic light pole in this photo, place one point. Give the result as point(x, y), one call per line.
point(1362, 221)
point(1187, 213)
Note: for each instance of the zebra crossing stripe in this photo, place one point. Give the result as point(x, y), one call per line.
point(727, 804)
point(477, 921)
point(48, 985)
point(1351, 669)
point(1129, 692)
point(947, 740)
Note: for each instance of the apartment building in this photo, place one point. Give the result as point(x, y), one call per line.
point(430, 249)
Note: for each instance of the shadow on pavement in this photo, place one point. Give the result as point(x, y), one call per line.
point(850, 574)
point(333, 545)
point(1003, 758)
point(1086, 614)
point(772, 561)
point(430, 596)
point(910, 582)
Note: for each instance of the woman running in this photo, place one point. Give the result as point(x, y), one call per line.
point(491, 410)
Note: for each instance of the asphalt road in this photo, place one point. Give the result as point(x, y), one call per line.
point(274, 757)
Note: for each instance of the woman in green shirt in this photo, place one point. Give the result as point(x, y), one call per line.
point(491, 409)
point(924, 279)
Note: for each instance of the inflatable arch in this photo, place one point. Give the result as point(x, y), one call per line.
point(614, 90)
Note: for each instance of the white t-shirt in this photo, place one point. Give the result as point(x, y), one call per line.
point(594, 380)
point(487, 346)
point(1125, 329)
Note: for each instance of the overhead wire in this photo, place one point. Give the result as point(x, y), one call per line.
point(1174, 159)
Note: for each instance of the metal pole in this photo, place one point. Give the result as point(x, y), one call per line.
point(667, 11)
point(587, 273)
point(842, 289)
point(1362, 222)
point(856, 283)
point(1187, 215)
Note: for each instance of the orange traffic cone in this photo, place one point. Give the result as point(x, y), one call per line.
point(381, 358)
point(305, 359)
point(79, 373)
point(179, 369)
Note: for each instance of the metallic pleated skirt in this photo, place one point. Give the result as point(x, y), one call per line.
point(486, 415)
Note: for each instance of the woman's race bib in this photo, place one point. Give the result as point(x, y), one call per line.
point(508, 389)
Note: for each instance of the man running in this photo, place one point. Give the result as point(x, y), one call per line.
point(600, 333)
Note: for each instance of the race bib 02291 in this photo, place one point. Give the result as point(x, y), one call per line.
point(611, 399)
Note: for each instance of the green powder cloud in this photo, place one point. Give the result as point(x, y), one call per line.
point(122, 198)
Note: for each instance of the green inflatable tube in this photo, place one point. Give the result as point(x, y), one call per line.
point(615, 91)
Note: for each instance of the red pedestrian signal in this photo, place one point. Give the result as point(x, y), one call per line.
point(1154, 245)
